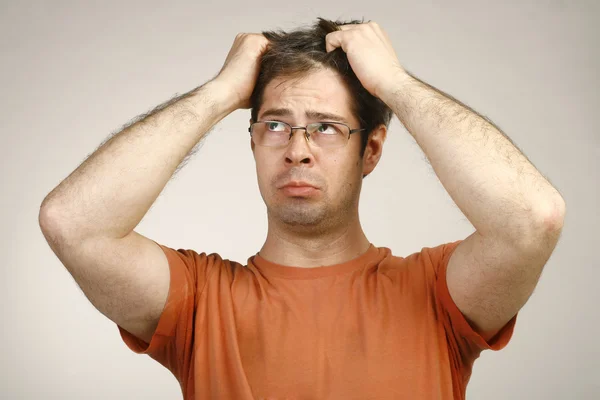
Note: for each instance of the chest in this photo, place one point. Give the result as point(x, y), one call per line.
point(335, 339)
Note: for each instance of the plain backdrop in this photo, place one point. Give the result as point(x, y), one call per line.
point(73, 72)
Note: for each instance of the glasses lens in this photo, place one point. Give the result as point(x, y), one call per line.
point(270, 133)
point(321, 134)
point(328, 134)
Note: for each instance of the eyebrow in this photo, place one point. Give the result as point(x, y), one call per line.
point(315, 115)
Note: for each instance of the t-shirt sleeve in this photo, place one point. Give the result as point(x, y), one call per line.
point(464, 341)
point(171, 344)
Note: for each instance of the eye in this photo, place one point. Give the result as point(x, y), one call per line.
point(274, 126)
point(327, 129)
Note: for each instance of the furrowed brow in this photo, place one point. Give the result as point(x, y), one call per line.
point(277, 112)
point(314, 115)
point(325, 116)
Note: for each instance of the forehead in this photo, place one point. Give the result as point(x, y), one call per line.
point(319, 91)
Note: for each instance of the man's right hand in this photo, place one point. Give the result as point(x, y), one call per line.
point(241, 67)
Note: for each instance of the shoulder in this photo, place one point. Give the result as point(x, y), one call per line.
point(200, 265)
point(425, 263)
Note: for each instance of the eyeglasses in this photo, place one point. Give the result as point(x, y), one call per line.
point(321, 134)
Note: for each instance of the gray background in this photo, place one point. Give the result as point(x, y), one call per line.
point(73, 72)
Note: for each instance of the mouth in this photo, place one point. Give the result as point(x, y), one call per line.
point(299, 191)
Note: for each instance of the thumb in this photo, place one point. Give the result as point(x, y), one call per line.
point(334, 40)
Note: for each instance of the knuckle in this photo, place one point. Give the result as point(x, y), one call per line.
point(249, 37)
point(374, 25)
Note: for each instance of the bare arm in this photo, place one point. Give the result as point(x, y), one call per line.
point(89, 219)
point(517, 213)
point(111, 191)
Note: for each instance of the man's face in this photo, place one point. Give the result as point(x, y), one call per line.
point(336, 172)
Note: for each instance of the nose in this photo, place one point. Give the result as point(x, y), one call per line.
point(298, 150)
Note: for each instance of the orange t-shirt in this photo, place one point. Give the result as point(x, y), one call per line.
point(376, 327)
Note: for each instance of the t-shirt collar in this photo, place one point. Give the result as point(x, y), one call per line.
point(294, 272)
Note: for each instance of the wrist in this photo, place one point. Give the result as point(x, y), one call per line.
point(394, 86)
point(221, 96)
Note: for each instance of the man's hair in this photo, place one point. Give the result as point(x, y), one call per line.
point(296, 53)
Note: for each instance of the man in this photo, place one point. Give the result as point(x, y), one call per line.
point(319, 312)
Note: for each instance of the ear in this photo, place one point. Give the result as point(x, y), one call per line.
point(251, 142)
point(374, 149)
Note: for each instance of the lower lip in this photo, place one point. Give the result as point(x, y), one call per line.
point(299, 190)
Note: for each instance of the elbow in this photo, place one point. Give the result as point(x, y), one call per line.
point(53, 223)
point(551, 217)
point(48, 221)
point(544, 229)
point(46, 217)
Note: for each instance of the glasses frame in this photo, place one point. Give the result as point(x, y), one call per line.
point(306, 134)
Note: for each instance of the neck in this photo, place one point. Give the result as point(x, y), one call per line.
point(315, 247)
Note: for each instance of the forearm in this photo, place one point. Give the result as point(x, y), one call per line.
point(112, 190)
point(492, 182)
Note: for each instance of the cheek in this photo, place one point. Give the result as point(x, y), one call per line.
point(264, 173)
point(342, 167)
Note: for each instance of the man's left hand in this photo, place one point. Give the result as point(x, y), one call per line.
point(371, 56)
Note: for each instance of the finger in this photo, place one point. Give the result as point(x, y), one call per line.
point(374, 28)
point(334, 40)
point(382, 35)
point(348, 26)
point(380, 32)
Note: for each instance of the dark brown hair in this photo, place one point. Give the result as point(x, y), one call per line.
point(299, 52)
